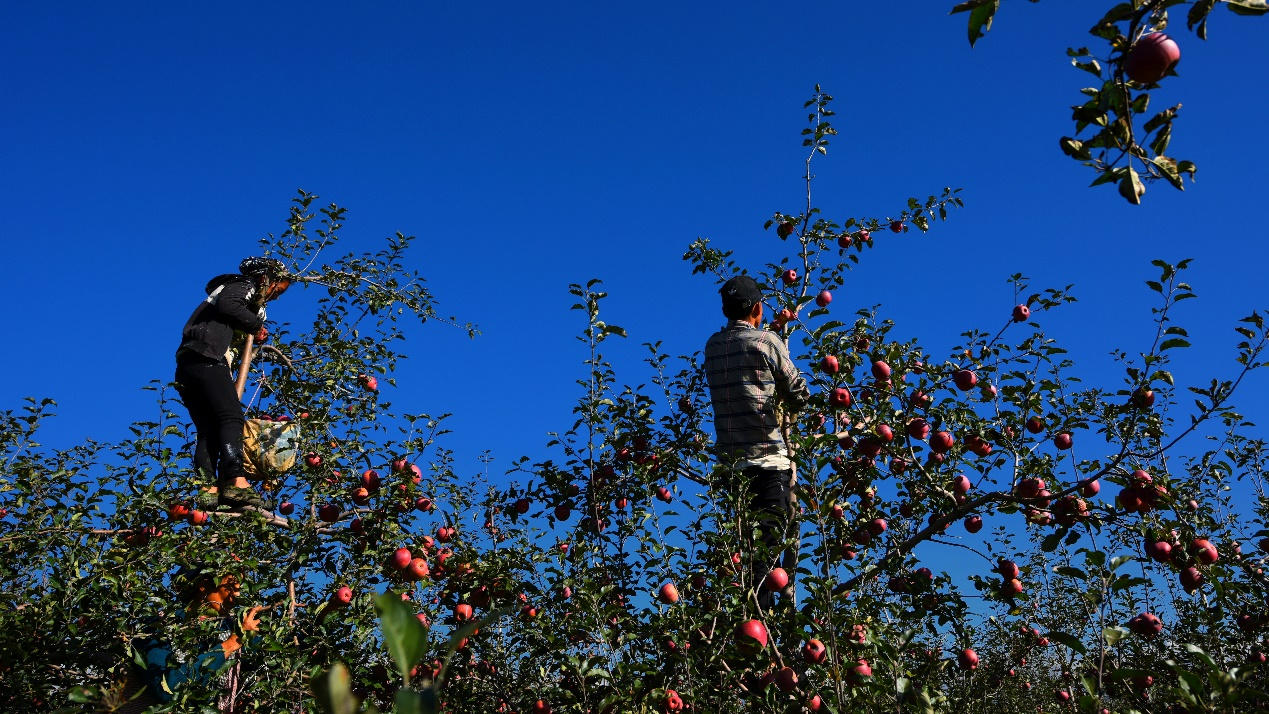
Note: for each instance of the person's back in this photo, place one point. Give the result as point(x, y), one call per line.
point(749, 374)
point(751, 380)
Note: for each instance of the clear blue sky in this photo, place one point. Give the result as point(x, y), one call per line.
point(145, 148)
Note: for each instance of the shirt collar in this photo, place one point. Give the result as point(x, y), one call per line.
point(739, 325)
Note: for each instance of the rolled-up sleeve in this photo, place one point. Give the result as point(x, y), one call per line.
point(790, 385)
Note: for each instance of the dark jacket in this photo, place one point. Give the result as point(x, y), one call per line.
point(211, 328)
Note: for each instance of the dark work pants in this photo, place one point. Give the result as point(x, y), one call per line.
point(768, 492)
point(207, 389)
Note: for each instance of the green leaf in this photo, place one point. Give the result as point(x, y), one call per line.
point(1074, 149)
point(1174, 342)
point(333, 691)
point(403, 634)
point(408, 701)
point(1131, 188)
point(1114, 634)
point(1071, 572)
point(1119, 560)
point(981, 13)
point(1205, 657)
point(1092, 66)
point(83, 695)
point(1069, 640)
point(1050, 542)
point(1198, 16)
point(1247, 7)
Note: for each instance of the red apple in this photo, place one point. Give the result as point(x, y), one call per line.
point(1204, 551)
point(1090, 489)
point(824, 298)
point(418, 569)
point(880, 369)
point(814, 652)
point(785, 229)
point(1159, 551)
point(1151, 58)
point(973, 524)
point(840, 398)
point(896, 227)
point(829, 364)
point(961, 484)
point(786, 680)
point(837, 512)
point(1142, 398)
point(919, 400)
point(941, 442)
point(965, 379)
point(1007, 569)
point(1035, 425)
point(312, 460)
point(360, 496)
point(663, 494)
point(462, 612)
point(1021, 313)
point(286, 508)
point(790, 276)
point(328, 513)
point(1191, 579)
point(967, 659)
point(400, 558)
point(751, 636)
point(669, 594)
point(776, 580)
point(1062, 441)
point(562, 512)
point(342, 597)
point(918, 428)
point(178, 512)
point(541, 707)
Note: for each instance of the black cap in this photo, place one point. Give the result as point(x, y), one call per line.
point(272, 267)
point(741, 292)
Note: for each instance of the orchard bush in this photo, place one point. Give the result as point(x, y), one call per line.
point(1107, 534)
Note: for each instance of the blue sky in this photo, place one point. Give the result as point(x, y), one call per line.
point(145, 148)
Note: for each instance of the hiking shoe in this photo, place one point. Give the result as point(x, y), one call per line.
point(239, 497)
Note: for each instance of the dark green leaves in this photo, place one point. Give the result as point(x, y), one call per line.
point(403, 634)
point(981, 13)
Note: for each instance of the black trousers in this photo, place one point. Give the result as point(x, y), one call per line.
point(207, 389)
point(768, 495)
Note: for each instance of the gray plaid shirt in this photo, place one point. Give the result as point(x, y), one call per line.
point(748, 369)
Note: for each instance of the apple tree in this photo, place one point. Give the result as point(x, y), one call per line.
point(975, 526)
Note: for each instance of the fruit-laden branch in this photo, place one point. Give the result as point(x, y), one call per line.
point(940, 524)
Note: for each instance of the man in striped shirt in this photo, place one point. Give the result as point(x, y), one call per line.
point(752, 380)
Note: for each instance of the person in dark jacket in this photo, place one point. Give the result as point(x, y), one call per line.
point(234, 304)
